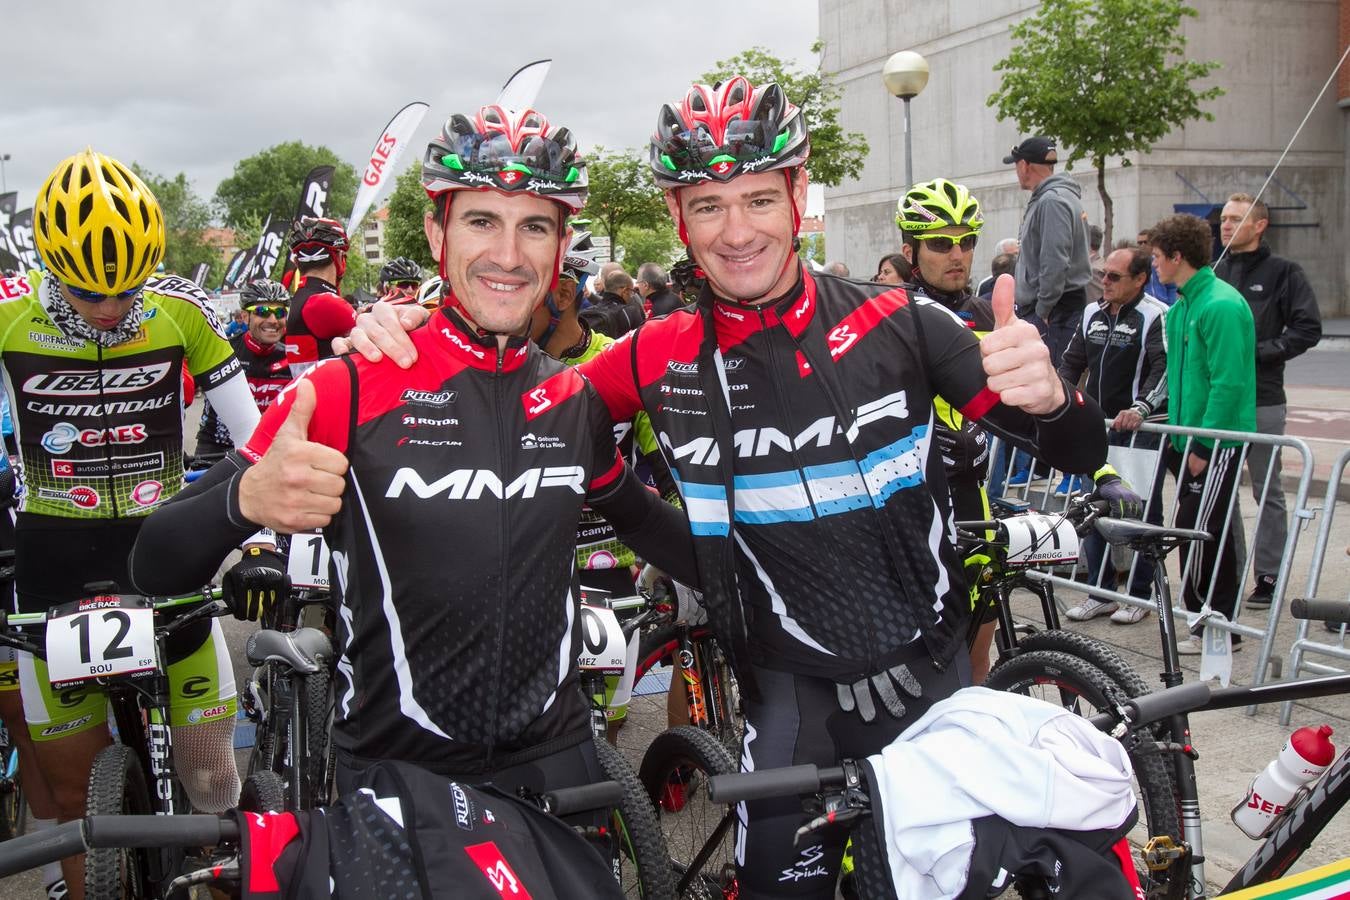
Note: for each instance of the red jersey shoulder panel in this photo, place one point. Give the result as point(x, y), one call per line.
point(332, 410)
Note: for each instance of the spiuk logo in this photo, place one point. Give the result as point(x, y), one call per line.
point(722, 167)
point(840, 338)
point(509, 176)
point(541, 402)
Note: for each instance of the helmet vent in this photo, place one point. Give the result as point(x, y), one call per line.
point(86, 207)
point(87, 251)
point(122, 208)
point(60, 220)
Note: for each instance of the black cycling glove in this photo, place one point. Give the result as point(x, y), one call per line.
point(255, 583)
point(1124, 503)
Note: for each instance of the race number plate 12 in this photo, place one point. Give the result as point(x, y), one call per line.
point(99, 637)
point(308, 562)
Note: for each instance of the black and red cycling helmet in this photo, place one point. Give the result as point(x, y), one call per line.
point(731, 128)
point(507, 150)
point(316, 240)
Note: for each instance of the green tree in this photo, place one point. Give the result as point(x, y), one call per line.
point(835, 155)
point(1105, 77)
point(186, 218)
point(622, 193)
point(643, 245)
point(403, 232)
point(269, 182)
point(813, 248)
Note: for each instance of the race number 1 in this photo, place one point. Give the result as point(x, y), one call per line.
point(308, 562)
point(99, 637)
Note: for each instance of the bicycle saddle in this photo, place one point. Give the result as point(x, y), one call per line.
point(1141, 535)
point(304, 649)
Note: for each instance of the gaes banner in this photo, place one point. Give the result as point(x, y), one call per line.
point(383, 158)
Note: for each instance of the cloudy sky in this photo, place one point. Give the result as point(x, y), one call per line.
point(194, 87)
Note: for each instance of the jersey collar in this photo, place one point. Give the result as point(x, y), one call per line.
point(463, 343)
point(736, 321)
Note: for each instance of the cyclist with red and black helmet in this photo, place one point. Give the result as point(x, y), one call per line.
point(318, 311)
point(462, 659)
point(796, 413)
point(400, 279)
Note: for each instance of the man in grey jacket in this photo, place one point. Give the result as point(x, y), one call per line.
point(1052, 269)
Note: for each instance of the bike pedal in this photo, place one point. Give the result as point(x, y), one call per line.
point(1161, 852)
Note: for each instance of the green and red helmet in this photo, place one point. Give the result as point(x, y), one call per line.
point(731, 128)
point(506, 150)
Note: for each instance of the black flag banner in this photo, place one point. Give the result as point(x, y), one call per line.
point(199, 273)
point(21, 238)
point(313, 202)
point(8, 203)
point(268, 251)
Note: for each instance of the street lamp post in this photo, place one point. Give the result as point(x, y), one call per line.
point(905, 75)
point(4, 185)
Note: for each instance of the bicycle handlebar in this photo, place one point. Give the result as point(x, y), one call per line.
point(1154, 707)
point(581, 798)
point(32, 850)
point(784, 782)
point(1333, 612)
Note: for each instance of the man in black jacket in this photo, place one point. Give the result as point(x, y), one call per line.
point(614, 313)
point(654, 286)
point(1119, 343)
point(1287, 323)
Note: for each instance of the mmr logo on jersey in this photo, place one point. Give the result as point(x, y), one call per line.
point(89, 383)
point(472, 484)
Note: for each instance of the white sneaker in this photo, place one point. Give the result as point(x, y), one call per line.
point(1190, 646)
point(1128, 615)
point(1090, 608)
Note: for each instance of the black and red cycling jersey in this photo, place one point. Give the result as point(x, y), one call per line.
point(453, 554)
point(806, 422)
point(318, 314)
point(267, 370)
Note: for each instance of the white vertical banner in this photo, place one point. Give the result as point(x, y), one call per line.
point(383, 157)
point(522, 88)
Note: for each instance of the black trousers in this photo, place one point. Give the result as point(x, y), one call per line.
point(1206, 511)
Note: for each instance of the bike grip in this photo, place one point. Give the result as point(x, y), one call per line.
point(1161, 704)
point(1335, 612)
point(37, 849)
point(785, 782)
point(583, 797)
point(158, 831)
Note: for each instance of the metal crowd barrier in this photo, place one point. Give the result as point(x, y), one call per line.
point(1047, 498)
point(1303, 644)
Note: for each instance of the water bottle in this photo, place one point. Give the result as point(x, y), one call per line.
point(1304, 758)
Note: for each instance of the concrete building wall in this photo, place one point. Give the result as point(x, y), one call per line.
point(1275, 58)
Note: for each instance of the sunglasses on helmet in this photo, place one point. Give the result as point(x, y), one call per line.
point(263, 311)
point(80, 293)
point(943, 243)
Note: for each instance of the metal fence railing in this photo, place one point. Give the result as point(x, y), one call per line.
point(1139, 458)
point(1304, 644)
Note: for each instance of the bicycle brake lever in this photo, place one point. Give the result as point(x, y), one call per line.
point(835, 817)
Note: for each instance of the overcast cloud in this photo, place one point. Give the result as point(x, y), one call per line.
point(194, 87)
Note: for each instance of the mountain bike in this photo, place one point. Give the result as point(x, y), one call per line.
point(637, 847)
point(118, 641)
point(1148, 723)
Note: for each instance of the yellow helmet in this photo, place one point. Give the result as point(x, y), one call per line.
point(97, 225)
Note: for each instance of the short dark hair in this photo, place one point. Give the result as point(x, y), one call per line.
point(1095, 237)
point(1141, 260)
point(1185, 234)
point(652, 274)
point(1003, 264)
point(898, 263)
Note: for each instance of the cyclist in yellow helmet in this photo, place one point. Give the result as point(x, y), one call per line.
point(92, 352)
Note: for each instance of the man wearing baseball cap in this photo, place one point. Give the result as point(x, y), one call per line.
point(1052, 267)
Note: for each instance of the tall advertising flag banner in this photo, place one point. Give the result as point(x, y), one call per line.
point(313, 202)
point(8, 203)
point(268, 251)
point(21, 238)
point(522, 88)
point(383, 157)
point(236, 268)
point(199, 273)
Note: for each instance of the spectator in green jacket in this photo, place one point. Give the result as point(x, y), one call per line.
point(1211, 383)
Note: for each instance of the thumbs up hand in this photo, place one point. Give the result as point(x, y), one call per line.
point(1016, 360)
point(298, 484)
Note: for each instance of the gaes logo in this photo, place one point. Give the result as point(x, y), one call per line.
point(63, 435)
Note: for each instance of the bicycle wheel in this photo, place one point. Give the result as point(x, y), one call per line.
point(721, 691)
point(1076, 684)
point(13, 809)
point(262, 792)
point(644, 864)
point(116, 785)
point(1096, 652)
point(674, 773)
point(314, 759)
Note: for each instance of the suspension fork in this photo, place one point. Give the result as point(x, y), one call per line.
point(690, 671)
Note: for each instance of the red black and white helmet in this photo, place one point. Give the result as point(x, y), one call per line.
point(732, 128)
point(319, 240)
point(507, 150)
